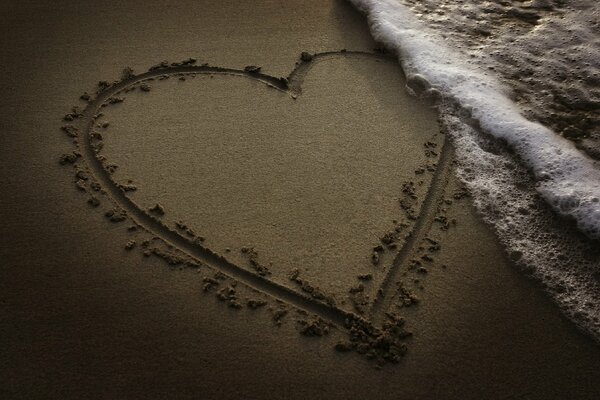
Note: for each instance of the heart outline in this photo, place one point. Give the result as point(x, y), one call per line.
point(293, 86)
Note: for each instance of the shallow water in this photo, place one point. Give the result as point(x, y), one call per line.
point(524, 74)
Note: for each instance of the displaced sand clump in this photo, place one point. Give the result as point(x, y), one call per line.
point(381, 344)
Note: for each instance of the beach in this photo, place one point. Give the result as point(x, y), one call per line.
point(266, 214)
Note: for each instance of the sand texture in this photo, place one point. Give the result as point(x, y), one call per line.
point(268, 214)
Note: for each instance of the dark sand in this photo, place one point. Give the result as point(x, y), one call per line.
point(83, 317)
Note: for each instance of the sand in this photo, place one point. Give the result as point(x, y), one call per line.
point(233, 226)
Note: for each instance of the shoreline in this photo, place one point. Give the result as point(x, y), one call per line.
point(88, 314)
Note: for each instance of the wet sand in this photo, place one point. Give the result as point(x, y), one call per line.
point(91, 308)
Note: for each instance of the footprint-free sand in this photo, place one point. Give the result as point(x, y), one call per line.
point(311, 179)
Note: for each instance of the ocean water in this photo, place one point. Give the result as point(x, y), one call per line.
point(518, 86)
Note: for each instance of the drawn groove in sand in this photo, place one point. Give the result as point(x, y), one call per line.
point(419, 231)
point(292, 86)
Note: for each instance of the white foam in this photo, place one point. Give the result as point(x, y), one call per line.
point(566, 178)
point(557, 257)
point(507, 188)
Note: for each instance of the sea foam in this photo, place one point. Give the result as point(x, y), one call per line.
point(566, 178)
point(475, 103)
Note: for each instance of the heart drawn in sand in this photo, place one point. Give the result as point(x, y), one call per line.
point(343, 167)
